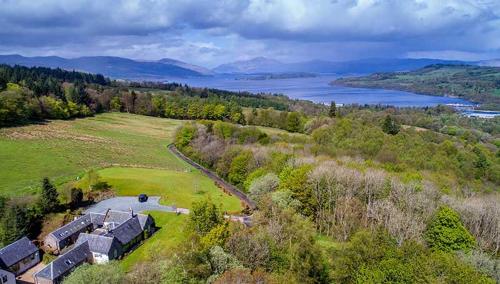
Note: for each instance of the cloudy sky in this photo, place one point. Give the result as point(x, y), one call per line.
point(218, 31)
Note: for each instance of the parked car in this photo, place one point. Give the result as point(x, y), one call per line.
point(143, 197)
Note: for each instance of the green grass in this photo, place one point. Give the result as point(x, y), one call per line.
point(327, 243)
point(171, 234)
point(180, 188)
point(61, 150)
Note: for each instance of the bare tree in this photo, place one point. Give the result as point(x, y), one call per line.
point(481, 216)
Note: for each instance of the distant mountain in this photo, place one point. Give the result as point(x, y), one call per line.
point(491, 63)
point(182, 64)
point(255, 65)
point(362, 66)
point(114, 67)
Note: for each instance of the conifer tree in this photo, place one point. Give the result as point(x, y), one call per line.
point(333, 110)
point(49, 201)
point(390, 126)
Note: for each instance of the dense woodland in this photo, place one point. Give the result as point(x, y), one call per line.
point(353, 194)
point(403, 215)
point(33, 94)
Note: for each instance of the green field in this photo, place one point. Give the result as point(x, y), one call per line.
point(172, 232)
point(61, 150)
point(180, 188)
point(130, 151)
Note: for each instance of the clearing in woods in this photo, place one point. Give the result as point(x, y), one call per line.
point(130, 151)
point(61, 150)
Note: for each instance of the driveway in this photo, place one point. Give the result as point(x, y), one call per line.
point(125, 203)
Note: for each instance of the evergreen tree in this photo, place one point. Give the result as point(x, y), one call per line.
point(14, 224)
point(3, 83)
point(333, 110)
point(390, 126)
point(49, 201)
point(447, 233)
point(76, 196)
point(481, 163)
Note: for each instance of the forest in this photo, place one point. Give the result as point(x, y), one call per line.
point(33, 94)
point(389, 216)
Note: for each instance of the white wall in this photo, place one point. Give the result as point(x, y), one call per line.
point(100, 258)
point(11, 279)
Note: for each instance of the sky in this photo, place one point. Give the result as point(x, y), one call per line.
point(212, 32)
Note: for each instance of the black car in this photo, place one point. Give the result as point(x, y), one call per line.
point(143, 198)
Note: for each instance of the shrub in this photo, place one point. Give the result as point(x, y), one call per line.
point(447, 233)
point(106, 273)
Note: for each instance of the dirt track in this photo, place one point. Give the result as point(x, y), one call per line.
point(220, 182)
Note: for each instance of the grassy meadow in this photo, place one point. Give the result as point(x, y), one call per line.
point(172, 232)
point(62, 150)
point(129, 151)
point(179, 188)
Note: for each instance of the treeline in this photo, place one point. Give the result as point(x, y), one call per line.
point(44, 81)
point(28, 94)
point(290, 121)
point(243, 99)
point(386, 227)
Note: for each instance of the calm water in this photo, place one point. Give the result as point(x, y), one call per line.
point(318, 90)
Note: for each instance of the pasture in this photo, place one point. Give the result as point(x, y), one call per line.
point(63, 150)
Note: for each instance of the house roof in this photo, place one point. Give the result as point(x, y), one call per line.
point(97, 218)
point(127, 231)
point(119, 217)
point(72, 227)
point(64, 263)
point(16, 252)
point(97, 243)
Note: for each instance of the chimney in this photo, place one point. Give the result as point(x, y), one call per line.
point(131, 212)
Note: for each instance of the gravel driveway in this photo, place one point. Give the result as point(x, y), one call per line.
point(126, 203)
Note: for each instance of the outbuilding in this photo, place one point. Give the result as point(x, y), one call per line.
point(19, 256)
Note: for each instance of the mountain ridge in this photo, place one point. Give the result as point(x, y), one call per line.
point(360, 66)
point(111, 66)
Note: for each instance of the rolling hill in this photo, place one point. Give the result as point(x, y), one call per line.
point(476, 83)
point(114, 67)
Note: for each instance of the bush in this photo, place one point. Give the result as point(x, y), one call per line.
point(447, 233)
point(100, 273)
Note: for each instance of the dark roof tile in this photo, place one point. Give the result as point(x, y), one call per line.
point(98, 243)
point(17, 251)
point(127, 231)
point(64, 263)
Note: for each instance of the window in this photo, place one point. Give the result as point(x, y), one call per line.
point(4, 278)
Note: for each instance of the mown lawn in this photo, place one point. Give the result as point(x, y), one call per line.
point(171, 234)
point(179, 188)
point(62, 150)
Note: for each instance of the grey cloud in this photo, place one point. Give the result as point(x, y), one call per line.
point(401, 26)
